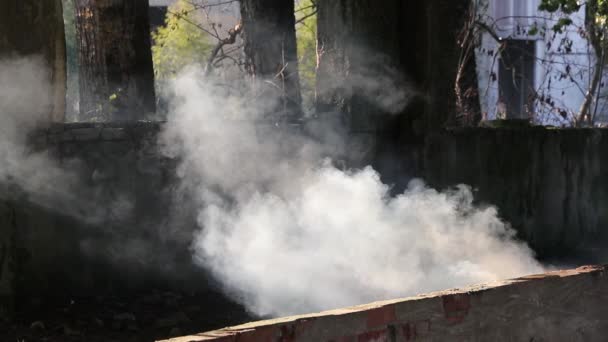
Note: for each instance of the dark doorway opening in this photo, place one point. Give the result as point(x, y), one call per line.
point(516, 78)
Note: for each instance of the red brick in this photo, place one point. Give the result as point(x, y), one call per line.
point(374, 336)
point(381, 316)
point(413, 330)
point(456, 307)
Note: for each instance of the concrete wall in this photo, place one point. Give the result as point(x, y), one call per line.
point(551, 185)
point(108, 224)
point(123, 227)
point(559, 306)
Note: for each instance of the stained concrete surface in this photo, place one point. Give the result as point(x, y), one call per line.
point(569, 305)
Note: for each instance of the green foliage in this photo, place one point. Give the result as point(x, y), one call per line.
point(564, 6)
point(306, 30)
point(597, 10)
point(561, 24)
point(180, 42)
point(595, 31)
point(534, 30)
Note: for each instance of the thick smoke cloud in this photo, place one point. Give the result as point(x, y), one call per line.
point(285, 231)
point(281, 227)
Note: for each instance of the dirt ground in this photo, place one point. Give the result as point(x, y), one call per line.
point(130, 317)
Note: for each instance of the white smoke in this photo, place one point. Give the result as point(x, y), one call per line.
point(37, 176)
point(25, 103)
point(285, 231)
point(25, 98)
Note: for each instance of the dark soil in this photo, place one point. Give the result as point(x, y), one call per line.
point(133, 317)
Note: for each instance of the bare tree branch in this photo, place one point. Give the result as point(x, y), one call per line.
point(232, 34)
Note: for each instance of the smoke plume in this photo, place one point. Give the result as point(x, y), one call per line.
point(287, 231)
point(25, 101)
point(37, 176)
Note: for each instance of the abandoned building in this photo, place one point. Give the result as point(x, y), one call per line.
point(527, 70)
point(98, 222)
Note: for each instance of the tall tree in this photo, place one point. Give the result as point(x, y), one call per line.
point(417, 38)
point(306, 32)
point(271, 48)
point(388, 67)
point(29, 28)
point(35, 27)
point(116, 70)
point(360, 73)
point(359, 57)
point(445, 20)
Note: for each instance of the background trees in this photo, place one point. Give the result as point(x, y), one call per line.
point(277, 45)
point(595, 31)
point(306, 33)
point(180, 42)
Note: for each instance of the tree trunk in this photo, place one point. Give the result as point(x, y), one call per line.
point(418, 38)
point(35, 27)
point(271, 48)
point(585, 115)
point(445, 19)
point(116, 70)
point(333, 23)
point(595, 39)
point(466, 88)
point(359, 63)
point(373, 49)
point(358, 54)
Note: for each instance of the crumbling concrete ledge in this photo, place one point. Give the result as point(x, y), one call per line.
point(569, 305)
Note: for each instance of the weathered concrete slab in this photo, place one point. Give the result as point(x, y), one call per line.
point(569, 305)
